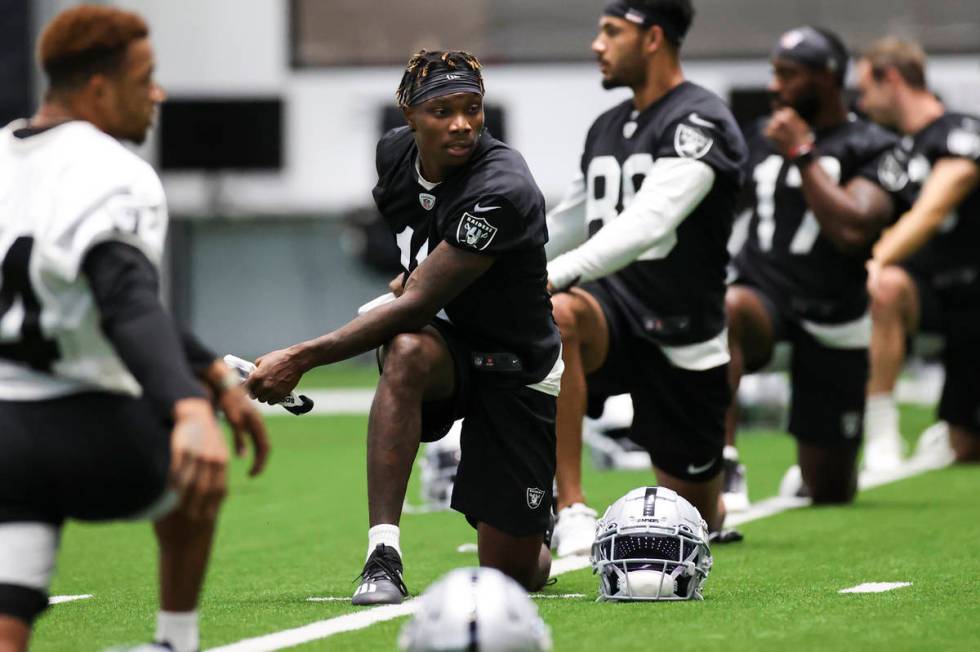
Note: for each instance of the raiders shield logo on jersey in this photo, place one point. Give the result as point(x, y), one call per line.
point(427, 200)
point(534, 497)
point(891, 172)
point(475, 232)
point(691, 142)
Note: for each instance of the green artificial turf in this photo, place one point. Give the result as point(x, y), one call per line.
point(299, 531)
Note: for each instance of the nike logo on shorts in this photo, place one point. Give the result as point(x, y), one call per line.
point(695, 470)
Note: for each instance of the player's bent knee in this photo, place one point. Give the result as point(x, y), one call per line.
point(565, 309)
point(893, 289)
point(965, 445)
point(407, 356)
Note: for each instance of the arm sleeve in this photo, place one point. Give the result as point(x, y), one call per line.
point(567, 228)
point(672, 189)
point(125, 287)
point(199, 356)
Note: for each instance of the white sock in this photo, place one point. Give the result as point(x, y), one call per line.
point(881, 416)
point(179, 629)
point(730, 453)
point(386, 534)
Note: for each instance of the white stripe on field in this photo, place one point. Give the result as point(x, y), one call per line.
point(321, 629)
point(358, 401)
point(556, 596)
point(362, 619)
point(875, 587)
point(58, 599)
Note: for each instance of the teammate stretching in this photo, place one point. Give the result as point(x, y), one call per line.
point(640, 303)
point(100, 410)
point(816, 209)
point(470, 334)
point(925, 274)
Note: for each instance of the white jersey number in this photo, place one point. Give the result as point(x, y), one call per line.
point(404, 240)
point(21, 338)
point(765, 176)
point(619, 183)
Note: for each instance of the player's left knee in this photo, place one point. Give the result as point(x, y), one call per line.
point(965, 445)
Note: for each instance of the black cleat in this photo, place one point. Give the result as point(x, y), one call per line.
point(725, 536)
point(381, 579)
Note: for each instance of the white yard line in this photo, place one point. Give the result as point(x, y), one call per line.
point(362, 619)
point(875, 587)
point(358, 401)
point(58, 599)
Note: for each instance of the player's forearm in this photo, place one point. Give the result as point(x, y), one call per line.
point(366, 332)
point(847, 220)
point(909, 234)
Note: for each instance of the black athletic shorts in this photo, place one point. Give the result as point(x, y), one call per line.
point(829, 383)
point(953, 311)
point(508, 458)
point(678, 414)
point(92, 456)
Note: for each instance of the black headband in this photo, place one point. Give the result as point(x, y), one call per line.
point(446, 82)
point(644, 18)
point(808, 46)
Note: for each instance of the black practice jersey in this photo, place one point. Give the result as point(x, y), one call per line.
point(956, 245)
point(491, 206)
point(674, 293)
point(785, 254)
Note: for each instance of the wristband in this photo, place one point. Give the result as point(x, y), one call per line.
point(801, 155)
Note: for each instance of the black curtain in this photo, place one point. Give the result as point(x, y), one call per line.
point(16, 66)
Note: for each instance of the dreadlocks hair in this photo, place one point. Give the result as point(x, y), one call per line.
point(423, 62)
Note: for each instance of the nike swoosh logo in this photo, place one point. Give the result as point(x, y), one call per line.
point(484, 209)
point(698, 120)
point(694, 470)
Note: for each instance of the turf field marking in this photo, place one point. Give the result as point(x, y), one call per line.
point(58, 599)
point(556, 596)
point(875, 587)
point(358, 400)
point(467, 548)
point(321, 629)
point(362, 619)
point(328, 598)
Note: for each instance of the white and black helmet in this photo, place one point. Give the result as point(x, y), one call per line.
point(478, 609)
point(651, 544)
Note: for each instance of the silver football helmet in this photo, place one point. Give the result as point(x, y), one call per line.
point(651, 544)
point(475, 609)
point(438, 465)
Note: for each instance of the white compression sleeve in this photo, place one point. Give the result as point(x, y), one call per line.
point(672, 189)
point(566, 221)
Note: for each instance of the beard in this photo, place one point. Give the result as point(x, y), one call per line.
point(808, 105)
point(613, 82)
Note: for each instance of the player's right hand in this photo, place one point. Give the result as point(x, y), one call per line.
point(199, 458)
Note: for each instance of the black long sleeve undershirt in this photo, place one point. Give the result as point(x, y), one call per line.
point(126, 290)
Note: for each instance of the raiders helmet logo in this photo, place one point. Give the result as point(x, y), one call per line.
point(427, 200)
point(691, 142)
point(892, 173)
point(534, 497)
point(475, 232)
